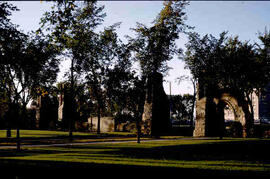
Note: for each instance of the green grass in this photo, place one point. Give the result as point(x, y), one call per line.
point(56, 134)
point(226, 155)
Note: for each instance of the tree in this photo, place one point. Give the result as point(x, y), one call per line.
point(194, 85)
point(182, 106)
point(30, 66)
point(26, 63)
point(69, 23)
point(104, 58)
point(263, 51)
point(227, 63)
point(8, 33)
point(154, 46)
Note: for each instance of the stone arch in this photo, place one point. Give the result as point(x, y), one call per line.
point(239, 114)
point(209, 120)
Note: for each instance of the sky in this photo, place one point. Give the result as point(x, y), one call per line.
point(243, 18)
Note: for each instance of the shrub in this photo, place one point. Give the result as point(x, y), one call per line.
point(234, 129)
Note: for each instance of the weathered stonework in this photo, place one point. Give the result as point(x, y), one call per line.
point(210, 112)
point(199, 130)
point(106, 124)
point(60, 107)
point(38, 111)
point(156, 115)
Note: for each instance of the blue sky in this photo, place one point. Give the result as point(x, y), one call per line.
point(242, 18)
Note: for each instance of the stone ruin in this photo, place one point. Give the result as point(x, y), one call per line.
point(45, 112)
point(210, 104)
point(156, 115)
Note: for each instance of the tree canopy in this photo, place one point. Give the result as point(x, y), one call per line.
point(154, 46)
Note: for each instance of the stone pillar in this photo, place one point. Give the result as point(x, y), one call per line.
point(61, 106)
point(38, 111)
point(200, 126)
point(156, 115)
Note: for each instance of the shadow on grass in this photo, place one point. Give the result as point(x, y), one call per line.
point(247, 150)
point(244, 150)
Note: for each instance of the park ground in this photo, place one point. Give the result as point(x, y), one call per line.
point(118, 154)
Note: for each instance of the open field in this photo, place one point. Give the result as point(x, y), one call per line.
point(217, 157)
point(57, 134)
point(43, 137)
point(39, 137)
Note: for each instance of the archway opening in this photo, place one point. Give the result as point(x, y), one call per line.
point(229, 114)
point(230, 126)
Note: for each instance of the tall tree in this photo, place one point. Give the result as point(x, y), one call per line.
point(101, 53)
point(29, 66)
point(69, 23)
point(154, 46)
point(26, 63)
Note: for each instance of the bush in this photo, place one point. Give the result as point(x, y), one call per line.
point(234, 129)
point(123, 118)
point(266, 134)
point(262, 130)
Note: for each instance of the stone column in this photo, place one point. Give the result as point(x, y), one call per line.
point(156, 115)
point(200, 130)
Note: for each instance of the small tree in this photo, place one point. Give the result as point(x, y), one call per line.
point(194, 85)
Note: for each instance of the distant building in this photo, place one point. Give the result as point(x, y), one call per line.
point(264, 106)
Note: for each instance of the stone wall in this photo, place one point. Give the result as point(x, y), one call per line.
point(106, 124)
point(210, 112)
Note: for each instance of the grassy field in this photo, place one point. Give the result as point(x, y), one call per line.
point(228, 156)
point(40, 137)
point(57, 134)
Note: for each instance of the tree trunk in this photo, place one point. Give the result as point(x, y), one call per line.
point(8, 132)
point(18, 139)
point(138, 131)
point(18, 127)
point(138, 124)
point(98, 122)
point(193, 102)
point(250, 122)
point(71, 96)
point(8, 126)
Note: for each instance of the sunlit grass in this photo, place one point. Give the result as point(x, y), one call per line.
point(174, 154)
point(55, 134)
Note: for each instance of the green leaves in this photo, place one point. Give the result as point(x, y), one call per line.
point(227, 62)
point(155, 45)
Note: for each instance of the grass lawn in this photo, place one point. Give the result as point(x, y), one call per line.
point(242, 156)
point(35, 137)
point(57, 134)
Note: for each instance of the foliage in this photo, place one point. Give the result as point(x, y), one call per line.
point(181, 106)
point(234, 129)
point(226, 63)
point(27, 62)
point(155, 45)
point(71, 25)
